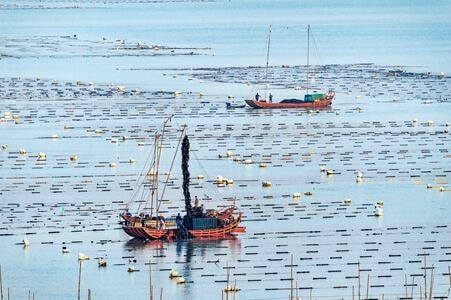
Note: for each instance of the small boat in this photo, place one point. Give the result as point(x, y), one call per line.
point(196, 223)
point(233, 106)
point(311, 100)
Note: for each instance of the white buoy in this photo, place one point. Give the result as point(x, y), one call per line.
point(322, 169)
point(441, 189)
point(296, 195)
point(173, 274)
point(229, 181)
point(114, 141)
point(429, 186)
point(201, 94)
point(219, 179)
point(25, 242)
point(330, 172)
point(229, 154)
point(262, 165)
point(121, 89)
point(177, 93)
point(73, 157)
point(308, 193)
point(200, 176)
point(181, 280)
point(101, 262)
point(131, 160)
point(22, 151)
point(82, 256)
point(248, 161)
point(65, 250)
point(131, 269)
point(42, 156)
point(266, 183)
point(124, 138)
point(430, 123)
point(112, 165)
point(141, 144)
point(55, 136)
point(347, 201)
point(4, 146)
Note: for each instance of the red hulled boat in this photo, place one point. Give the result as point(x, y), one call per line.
point(196, 223)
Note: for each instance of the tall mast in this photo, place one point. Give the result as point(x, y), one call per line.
point(152, 174)
point(267, 62)
point(308, 53)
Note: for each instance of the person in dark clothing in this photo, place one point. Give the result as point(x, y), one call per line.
point(178, 221)
point(270, 97)
point(257, 96)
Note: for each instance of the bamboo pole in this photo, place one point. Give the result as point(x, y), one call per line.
point(291, 278)
point(234, 290)
point(411, 291)
point(161, 294)
point(89, 294)
point(358, 275)
point(79, 280)
point(227, 284)
point(1, 284)
point(310, 293)
point(432, 283)
point(9, 294)
point(150, 282)
point(421, 294)
point(352, 292)
point(297, 290)
point(405, 283)
point(367, 286)
point(425, 278)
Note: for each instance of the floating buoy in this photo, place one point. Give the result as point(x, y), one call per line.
point(121, 89)
point(296, 195)
point(230, 288)
point(173, 274)
point(42, 156)
point(248, 161)
point(330, 172)
point(124, 138)
point(140, 144)
point(322, 169)
point(90, 83)
point(266, 184)
point(177, 93)
point(230, 96)
point(55, 136)
point(7, 115)
point(131, 269)
point(442, 75)
point(65, 250)
point(380, 203)
point(114, 141)
point(79, 82)
point(229, 154)
point(262, 165)
point(101, 262)
point(430, 123)
point(429, 186)
point(131, 160)
point(136, 91)
point(73, 157)
point(112, 165)
point(98, 131)
point(442, 189)
point(82, 256)
point(201, 94)
point(25, 242)
point(22, 151)
point(237, 159)
point(181, 280)
point(219, 179)
point(4, 146)
point(378, 211)
point(200, 176)
point(359, 179)
point(308, 193)
point(229, 181)
point(347, 201)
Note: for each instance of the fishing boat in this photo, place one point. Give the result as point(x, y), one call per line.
point(311, 100)
point(149, 224)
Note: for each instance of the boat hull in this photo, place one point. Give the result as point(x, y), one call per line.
point(309, 105)
point(147, 233)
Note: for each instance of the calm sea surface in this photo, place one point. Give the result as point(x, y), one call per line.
point(77, 204)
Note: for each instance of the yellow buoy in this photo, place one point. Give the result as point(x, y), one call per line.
point(173, 274)
point(296, 195)
point(73, 157)
point(308, 193)
point(42, 156)
point(248, 161)
point(200, 176)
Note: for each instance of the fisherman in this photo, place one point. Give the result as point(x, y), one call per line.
point(161, 220)
point(196, 201)
point(178, 221)
point(257, 96)
point(270, 97)
point(202, 209)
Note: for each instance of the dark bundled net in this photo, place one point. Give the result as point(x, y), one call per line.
point(187, 222)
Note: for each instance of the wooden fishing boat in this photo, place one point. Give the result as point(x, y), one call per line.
point(196, 223)
point(310, 101)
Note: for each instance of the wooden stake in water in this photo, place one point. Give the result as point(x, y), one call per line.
point(405, 283)
point(432, 282)
point(161, 294)
point(425, 278)
point(89, 294)
point(9, 295)
point(79, 280)
point(367, 286)
point(291, 279)
point(150, 282)
point(358, 275)
point(352, 292)
point(1, 284)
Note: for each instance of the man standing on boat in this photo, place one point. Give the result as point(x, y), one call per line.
point(257, 96)
point(270, 97)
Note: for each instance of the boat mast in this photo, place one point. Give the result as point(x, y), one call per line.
point(160, 148)
point(152, 173)
point(267, 62)
point(308, 54)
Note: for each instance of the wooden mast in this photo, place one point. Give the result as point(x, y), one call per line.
point(308, 54)
point(267, 63)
